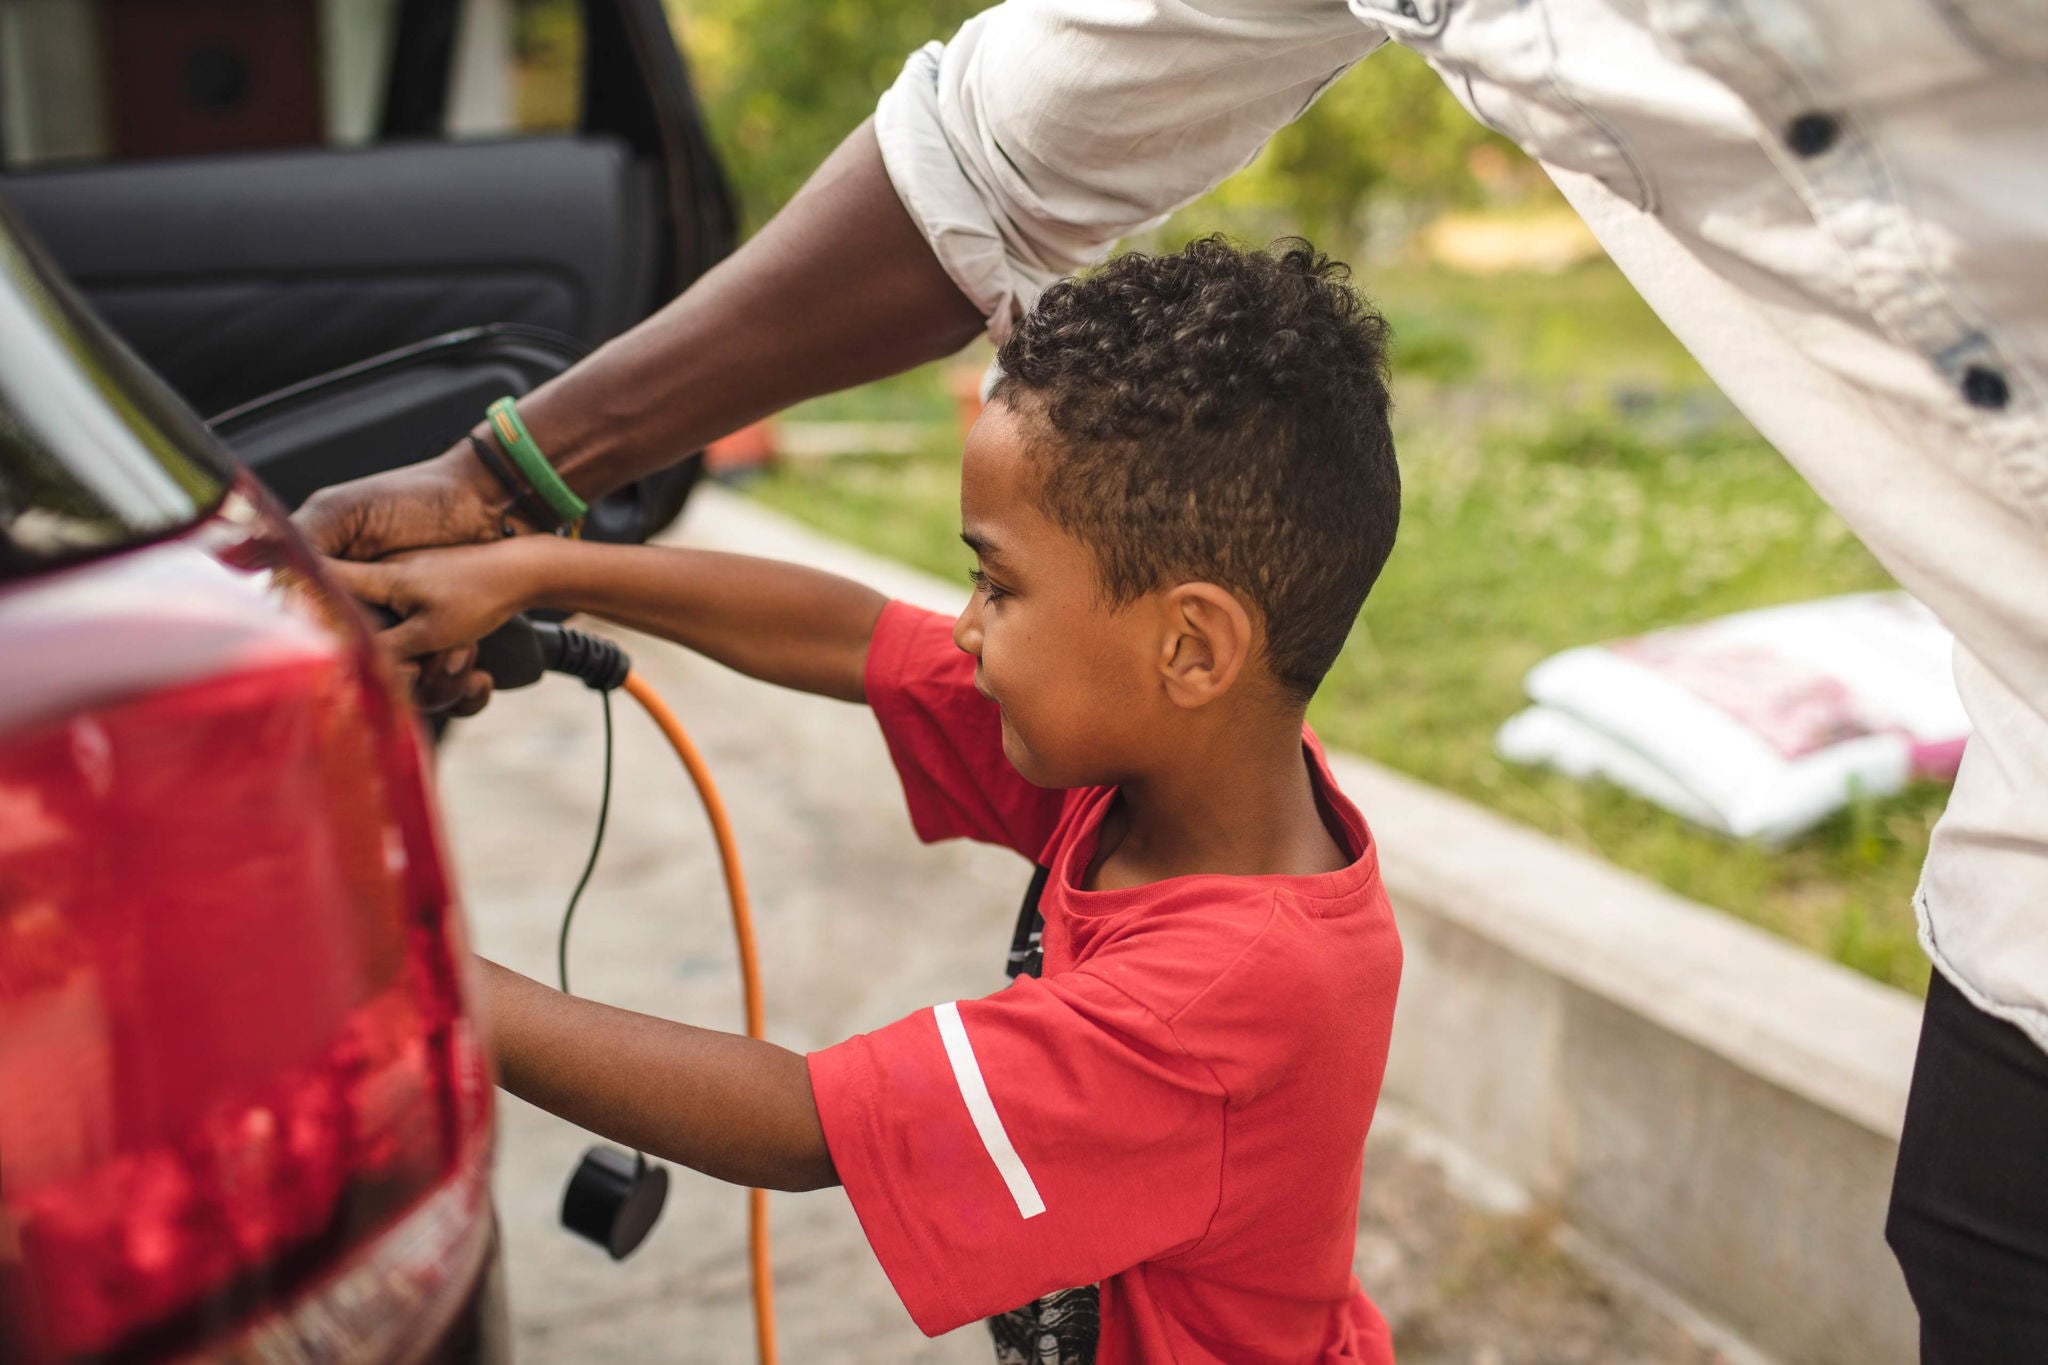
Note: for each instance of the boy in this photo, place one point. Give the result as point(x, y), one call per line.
point(1178, 496)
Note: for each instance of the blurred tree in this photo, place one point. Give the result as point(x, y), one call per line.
point(1388, 129)
point(547, 40)
point(784, 80)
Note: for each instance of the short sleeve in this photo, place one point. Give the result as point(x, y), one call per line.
point(946, 739)
point(1046, 129)
point(996, 1150)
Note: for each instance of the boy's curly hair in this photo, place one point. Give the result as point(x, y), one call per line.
point(1218, 414)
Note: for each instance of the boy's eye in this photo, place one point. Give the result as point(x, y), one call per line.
point(988, 590)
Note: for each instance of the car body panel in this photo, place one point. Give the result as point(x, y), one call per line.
point(244, 1108)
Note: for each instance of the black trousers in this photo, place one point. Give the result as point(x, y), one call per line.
point(1969, 1212)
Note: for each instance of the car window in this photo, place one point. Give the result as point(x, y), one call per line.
point(119, 80)
point(517, 68)
point(547, 65)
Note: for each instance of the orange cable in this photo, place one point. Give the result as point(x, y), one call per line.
point(750, 982)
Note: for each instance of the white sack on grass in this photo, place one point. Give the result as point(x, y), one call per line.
point(1758, 725)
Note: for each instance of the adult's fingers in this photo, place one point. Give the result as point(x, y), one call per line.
point(476, 694)
point(443, 680)
point(433, 688)
point(424, 633)
point(332, 521)
point(436, 502)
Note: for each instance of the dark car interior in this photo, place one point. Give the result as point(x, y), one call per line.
point(259, 270)
point(344, 301)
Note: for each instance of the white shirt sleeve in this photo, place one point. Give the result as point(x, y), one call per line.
point(1046, 129)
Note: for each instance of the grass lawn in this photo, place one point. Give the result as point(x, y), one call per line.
point(1570, 476)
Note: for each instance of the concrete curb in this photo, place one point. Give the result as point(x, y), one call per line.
point(1709, 1104)
point(1700, 1100)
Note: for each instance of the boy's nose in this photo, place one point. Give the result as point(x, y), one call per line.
point(967, 627)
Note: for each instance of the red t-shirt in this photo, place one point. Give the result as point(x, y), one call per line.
point(1175, 1110)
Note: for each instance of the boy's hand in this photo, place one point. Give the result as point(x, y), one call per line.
point(446, 600)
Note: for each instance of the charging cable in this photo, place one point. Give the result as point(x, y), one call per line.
point(763, 1274)
point(611, 1200)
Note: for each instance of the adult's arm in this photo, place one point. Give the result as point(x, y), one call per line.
point(839, 288)
point(1021, 150)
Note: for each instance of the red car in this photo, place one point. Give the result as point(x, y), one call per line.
point(244, 1110)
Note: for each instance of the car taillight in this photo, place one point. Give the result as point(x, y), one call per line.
point(234, 1048)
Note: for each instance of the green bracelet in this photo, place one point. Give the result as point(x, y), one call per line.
point(517, 444)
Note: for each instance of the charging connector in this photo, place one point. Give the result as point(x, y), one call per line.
point(519, 652)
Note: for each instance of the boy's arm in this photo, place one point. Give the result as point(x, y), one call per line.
point(781, 623)
point(732, 1107)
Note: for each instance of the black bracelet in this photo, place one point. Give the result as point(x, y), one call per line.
point(530, 506)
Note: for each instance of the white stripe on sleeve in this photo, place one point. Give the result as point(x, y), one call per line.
point(982, 1109)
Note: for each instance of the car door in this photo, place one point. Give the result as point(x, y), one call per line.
point(257, 194)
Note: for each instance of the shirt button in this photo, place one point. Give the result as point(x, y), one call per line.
point(1985, 388)
point(1812, 134)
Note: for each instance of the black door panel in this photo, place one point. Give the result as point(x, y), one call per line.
point(237, 275)
point(391, 410)
point(414, 403)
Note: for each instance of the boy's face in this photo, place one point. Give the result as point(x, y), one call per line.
point(1076, 679)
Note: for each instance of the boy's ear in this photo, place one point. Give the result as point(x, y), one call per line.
point(1207, 643)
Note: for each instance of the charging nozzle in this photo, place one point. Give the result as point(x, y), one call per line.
point(518, 652)
point(601, 665)
point(512, 655)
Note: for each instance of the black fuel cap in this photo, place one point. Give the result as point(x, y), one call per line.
point(613, 1199)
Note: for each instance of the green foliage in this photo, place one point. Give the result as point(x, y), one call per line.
point(1435, 353)
point(1386, 130)
point(548, 51)
point(782, 82)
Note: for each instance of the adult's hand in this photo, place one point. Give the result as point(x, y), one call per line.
point(448, 500)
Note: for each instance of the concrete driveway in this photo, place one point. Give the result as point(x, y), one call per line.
point(859, 925)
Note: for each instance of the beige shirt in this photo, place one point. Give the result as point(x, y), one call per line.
point(1840, 207)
